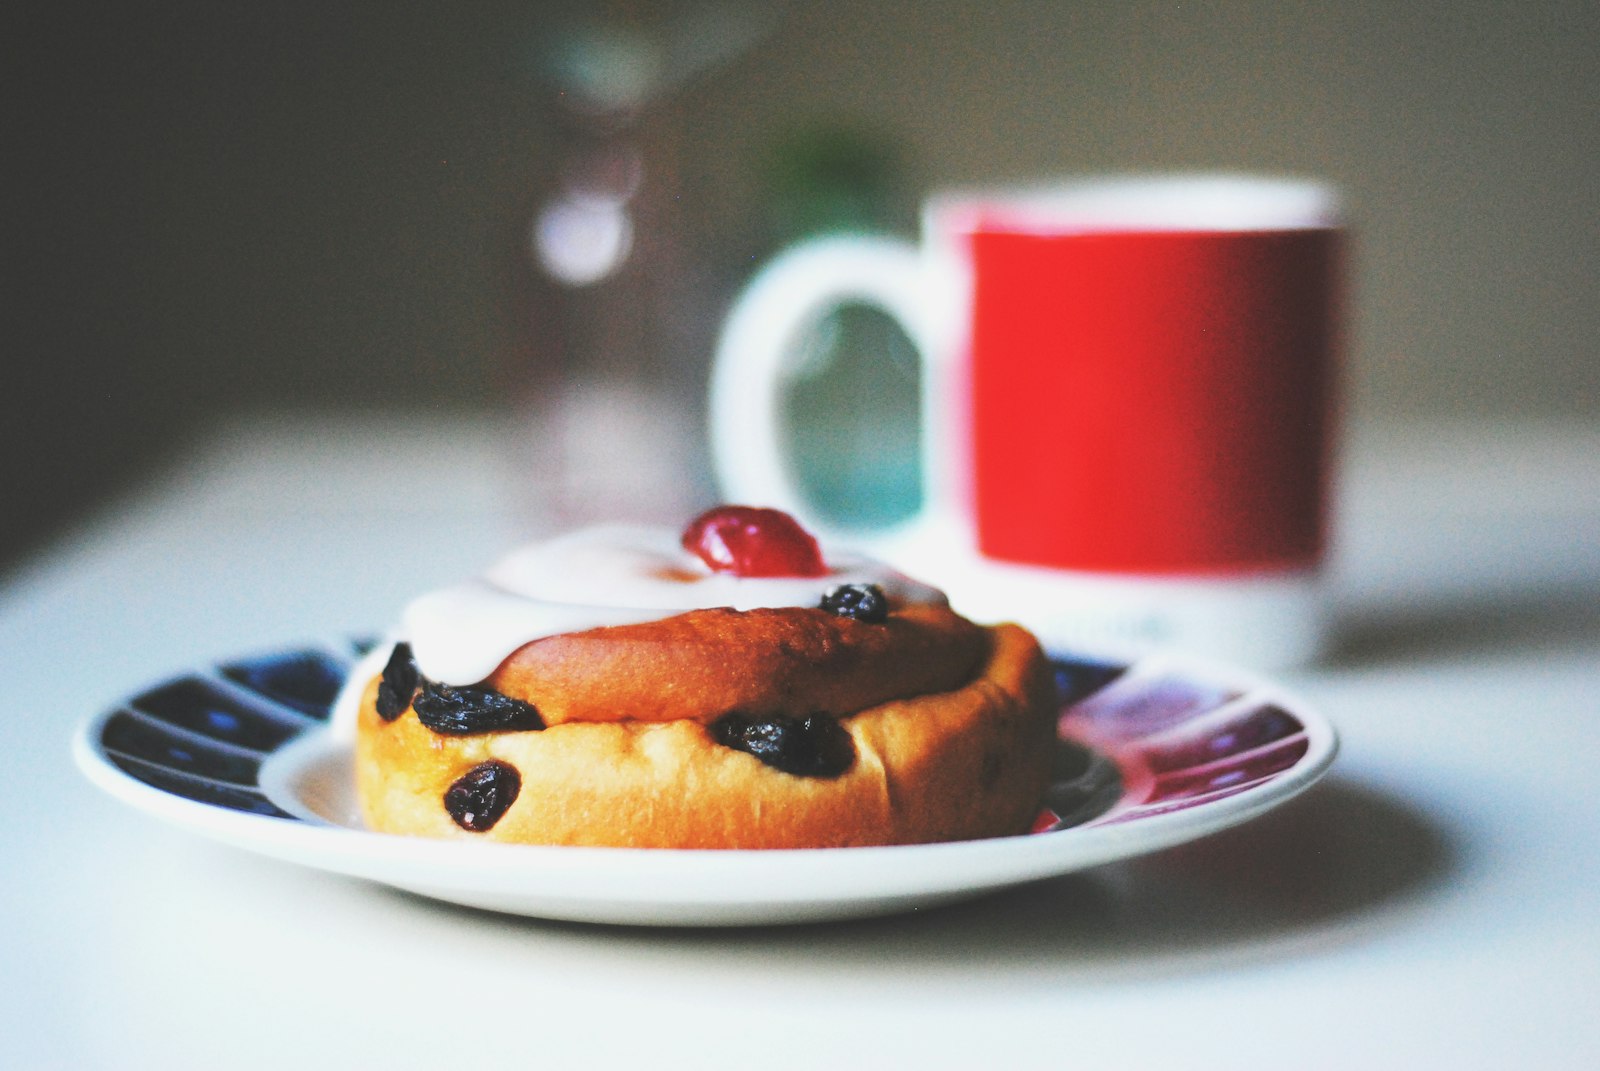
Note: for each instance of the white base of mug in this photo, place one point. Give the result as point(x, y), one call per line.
point(1264, 621)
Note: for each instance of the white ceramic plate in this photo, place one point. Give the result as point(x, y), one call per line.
point(1152, 754)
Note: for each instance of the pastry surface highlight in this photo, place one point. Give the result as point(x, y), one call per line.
point(630, 687)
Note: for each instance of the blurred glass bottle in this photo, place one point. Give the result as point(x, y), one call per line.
point(622, 299)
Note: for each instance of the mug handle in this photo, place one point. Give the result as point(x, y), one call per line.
point(756, 351)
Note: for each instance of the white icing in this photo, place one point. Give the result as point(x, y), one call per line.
point(613, 575)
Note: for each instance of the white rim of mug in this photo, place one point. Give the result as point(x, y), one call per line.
point(1150, 203)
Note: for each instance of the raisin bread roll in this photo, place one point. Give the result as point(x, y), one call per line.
point(869, 715)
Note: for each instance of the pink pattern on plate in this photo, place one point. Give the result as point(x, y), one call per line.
point(1180, 741)
point(1137, 706)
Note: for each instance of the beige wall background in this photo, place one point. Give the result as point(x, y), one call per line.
point(225, 207)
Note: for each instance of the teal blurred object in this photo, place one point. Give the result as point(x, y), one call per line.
point(852, 419)
point(852, 415)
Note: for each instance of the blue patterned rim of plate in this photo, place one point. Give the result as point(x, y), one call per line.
point(1135, 743)
point(204, 736)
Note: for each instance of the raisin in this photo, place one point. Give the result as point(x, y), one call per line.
point(864, 602)
point(482, 795)
point(463, 711)
point(399, 683)
point(817, 746)
point(751, 541)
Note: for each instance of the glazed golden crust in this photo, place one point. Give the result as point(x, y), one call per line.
point(965, 763)
point(702, 664)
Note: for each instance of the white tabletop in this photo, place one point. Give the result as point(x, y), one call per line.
point(1431, 904)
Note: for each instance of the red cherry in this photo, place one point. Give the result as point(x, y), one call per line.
point(748, 541)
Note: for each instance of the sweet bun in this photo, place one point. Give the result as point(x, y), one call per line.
point(891, 721)
point(702, 664)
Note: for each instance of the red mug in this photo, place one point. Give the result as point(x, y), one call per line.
point(1127, 412)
